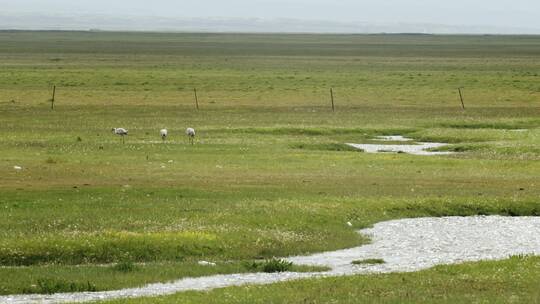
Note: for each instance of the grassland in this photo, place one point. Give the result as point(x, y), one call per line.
point(268, 175)
point(511, 281)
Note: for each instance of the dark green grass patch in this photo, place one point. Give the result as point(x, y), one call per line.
point(125, 266)
point(499, 125)
point(368, 262)
point(325, 147)
point(314, 131)
point(272, 265)
point(51, 286)
point(462, 148)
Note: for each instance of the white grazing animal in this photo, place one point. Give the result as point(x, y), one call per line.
point(190, 132)
point(120, 131)
point(163, 133)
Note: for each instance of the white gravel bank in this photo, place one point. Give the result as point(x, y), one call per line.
point(405, 245)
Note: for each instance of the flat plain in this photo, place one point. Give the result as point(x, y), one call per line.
point(269, 174)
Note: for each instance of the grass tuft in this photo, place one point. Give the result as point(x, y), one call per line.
point(125, 266)
point(50, 160)
point(368, 262)
point(276, 265)
point(271, 265)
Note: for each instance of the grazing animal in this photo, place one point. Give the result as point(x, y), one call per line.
point(190, 132)
point(120, 131)
point(163, 133)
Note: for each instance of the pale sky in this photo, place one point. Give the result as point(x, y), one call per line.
point(499, 13)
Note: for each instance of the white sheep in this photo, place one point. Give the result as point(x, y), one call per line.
point(163, 133)
point(190, 132)
point(120, 131)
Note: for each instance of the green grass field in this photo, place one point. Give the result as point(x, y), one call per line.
point(269, 175)
point(511, 281)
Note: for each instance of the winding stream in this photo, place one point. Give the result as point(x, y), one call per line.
point(405, 245)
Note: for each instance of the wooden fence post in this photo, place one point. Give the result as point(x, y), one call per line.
point(461, 98)
point(332, 99)
point(53, 95)
point(196, 99)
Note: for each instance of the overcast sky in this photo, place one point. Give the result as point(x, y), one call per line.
point(498, 13)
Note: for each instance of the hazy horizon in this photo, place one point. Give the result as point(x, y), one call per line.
point(258, 15)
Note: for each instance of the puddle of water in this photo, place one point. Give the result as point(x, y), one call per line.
point(405, 245)
point(418, 149)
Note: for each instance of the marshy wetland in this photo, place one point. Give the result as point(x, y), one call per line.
point(270, 174)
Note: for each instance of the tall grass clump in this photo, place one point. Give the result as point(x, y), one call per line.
point(125, 266)
point(271, 265)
